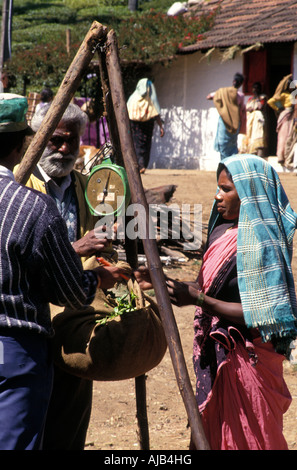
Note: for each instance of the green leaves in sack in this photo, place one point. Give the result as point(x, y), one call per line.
point(124, 304)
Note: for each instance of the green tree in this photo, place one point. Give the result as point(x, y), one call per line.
point(145, 37)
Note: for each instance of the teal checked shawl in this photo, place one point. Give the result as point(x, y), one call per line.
point(266, 229)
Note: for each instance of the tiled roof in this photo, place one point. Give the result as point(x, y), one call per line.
point(247, 22)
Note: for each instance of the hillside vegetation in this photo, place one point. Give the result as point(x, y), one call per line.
point(145, 36)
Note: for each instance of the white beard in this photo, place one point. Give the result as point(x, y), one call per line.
point(56, 165)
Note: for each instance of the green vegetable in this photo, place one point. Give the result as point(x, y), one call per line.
point(123, 305)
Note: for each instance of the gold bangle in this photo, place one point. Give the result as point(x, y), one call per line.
point(200, 299)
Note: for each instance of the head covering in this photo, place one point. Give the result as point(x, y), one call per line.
point(226, 103)
point(266, 228)
point(143, 103)
point(13, 109)
point(283, 86)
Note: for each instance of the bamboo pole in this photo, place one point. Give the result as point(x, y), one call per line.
point(68, 87)
point(150, 246)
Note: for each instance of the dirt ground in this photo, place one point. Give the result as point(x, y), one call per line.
point(113, 424)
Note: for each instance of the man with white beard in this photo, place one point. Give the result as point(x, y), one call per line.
point(71, 402)
point(55, 176)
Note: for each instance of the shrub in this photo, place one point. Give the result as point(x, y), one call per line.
point(145, 37)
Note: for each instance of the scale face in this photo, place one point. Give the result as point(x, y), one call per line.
point(107, 190)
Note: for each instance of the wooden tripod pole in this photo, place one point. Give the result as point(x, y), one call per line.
point(150, 246)
point(68, 87)
point(130, 248)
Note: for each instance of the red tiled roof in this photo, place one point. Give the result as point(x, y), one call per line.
point(247, 22)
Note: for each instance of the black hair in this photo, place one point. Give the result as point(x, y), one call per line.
point(46, 95)
point(222, 167)
point(257, 85)
point(11, 140)
point(238, 80)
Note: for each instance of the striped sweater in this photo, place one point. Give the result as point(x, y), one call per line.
point(38, 265)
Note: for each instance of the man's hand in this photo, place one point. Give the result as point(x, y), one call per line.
point(93, 242)
point(109, 275)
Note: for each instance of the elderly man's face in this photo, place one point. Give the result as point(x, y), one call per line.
point(61, 152)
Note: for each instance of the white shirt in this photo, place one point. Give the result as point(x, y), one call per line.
point(5, 172)
point(57, 190)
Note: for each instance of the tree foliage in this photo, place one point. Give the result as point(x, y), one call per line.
point(145, 36)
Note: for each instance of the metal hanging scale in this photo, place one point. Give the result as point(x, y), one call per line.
point(107, 190)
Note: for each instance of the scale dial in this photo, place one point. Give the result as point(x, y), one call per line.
point(106, 191)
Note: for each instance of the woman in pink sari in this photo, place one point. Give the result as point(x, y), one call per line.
point(245, 314)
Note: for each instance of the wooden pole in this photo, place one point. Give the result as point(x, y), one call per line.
point(150, 246)
point(5, 32)
point(68, 40)
point(68, 87)
point(130, 249)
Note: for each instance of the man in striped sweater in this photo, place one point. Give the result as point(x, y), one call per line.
point(71, 401)
point(38, 266)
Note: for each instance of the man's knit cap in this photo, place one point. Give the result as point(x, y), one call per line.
point(13, 109)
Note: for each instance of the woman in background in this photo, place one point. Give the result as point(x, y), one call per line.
point(255, 128)
point(46, 96)
point(229, 102)
point(282, 104)
point(144, 110)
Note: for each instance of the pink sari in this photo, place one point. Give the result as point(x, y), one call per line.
point(243, 407)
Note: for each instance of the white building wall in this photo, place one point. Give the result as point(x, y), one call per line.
point(190, 119)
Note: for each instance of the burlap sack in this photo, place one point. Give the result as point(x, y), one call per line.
point(125, 347)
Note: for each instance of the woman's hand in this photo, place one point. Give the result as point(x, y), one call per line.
point(160, 124)
point(187, 293)
point(143, 277)
point(182, 293)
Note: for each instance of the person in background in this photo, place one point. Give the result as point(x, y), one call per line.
point(4, 83)
point(96, 132)
point(281, 103)
point(46, 96)
point(38, 267)
point(71, 401)
point(255, 126)
point(229, 102)
point(290, 162)
point(246, 310)
point(144, 110)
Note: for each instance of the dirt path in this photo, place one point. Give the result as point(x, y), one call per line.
point(113, 423)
